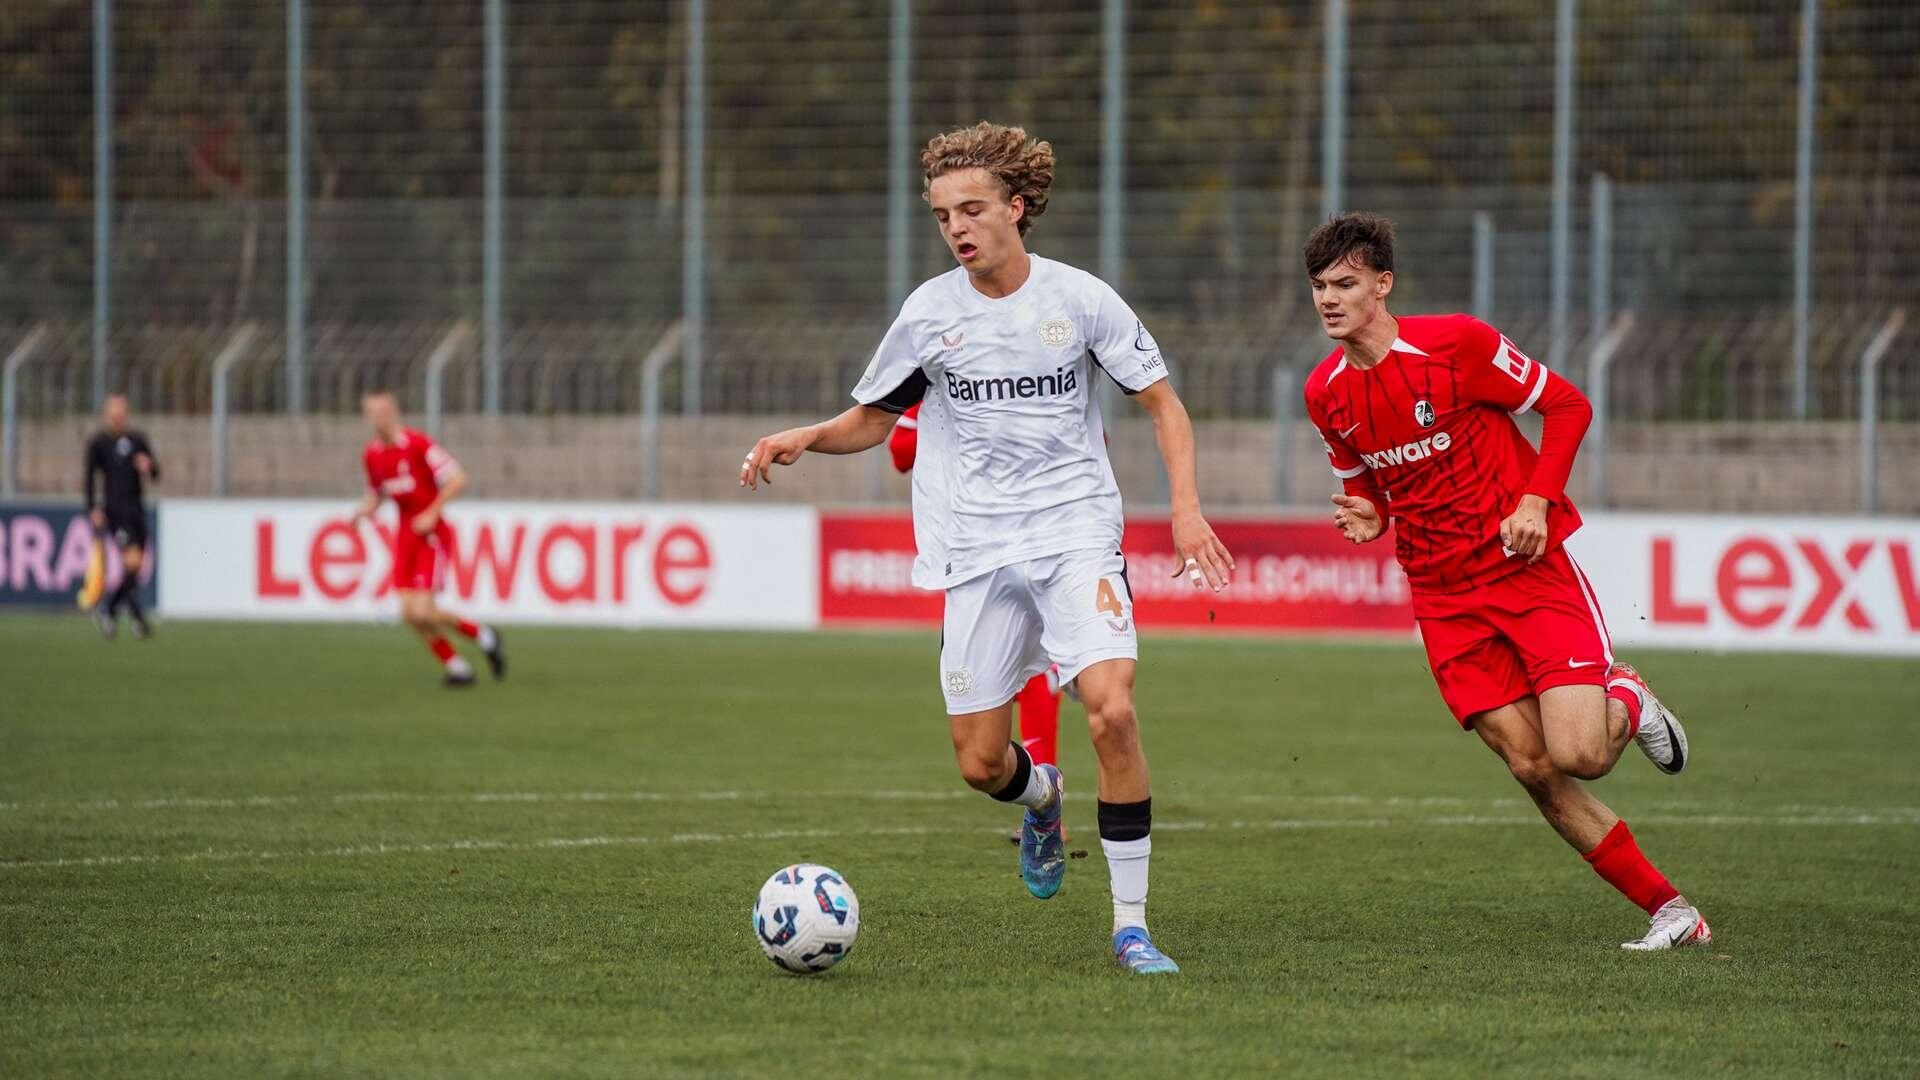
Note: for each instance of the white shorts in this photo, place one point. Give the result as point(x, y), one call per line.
point(1006, 626)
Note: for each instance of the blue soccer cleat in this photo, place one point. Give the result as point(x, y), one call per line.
point(1043, 851)
point(1133, 950)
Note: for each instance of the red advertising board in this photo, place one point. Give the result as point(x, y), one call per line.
point(866, 571)
point(1293, 575)
point(1290, 575)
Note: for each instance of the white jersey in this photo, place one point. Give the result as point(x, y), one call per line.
point(1012, 458)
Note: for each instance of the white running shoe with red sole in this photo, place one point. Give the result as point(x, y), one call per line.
point(1677, 925)
point(1661, 736)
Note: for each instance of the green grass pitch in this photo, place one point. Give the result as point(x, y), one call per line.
point(286, 851)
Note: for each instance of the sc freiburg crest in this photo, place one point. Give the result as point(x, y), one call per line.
point(1423, 412)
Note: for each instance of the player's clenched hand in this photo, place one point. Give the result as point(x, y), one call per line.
point(1525, 530)
point(783, 448)
point(1357, 519)
point(1203, 558)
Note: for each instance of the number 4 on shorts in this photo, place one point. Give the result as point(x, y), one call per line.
point(1106, 601)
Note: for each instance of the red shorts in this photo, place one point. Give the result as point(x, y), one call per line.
point(1530, 631)
point(420, 562)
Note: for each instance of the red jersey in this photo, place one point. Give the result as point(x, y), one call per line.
point(1428, 436)
point(409, 471)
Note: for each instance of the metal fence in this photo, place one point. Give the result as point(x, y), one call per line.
point(535, 192)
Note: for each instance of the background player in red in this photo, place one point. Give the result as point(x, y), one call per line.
point(1038, 704)
point(421, 478)
point(1418, 417)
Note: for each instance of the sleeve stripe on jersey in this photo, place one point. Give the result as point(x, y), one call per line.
point(1124, 388)
point(905, 396)
point(907, 422)
point(1539, 386)
point(1347, 474)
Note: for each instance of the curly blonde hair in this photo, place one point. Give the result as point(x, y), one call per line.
point(1023, 166)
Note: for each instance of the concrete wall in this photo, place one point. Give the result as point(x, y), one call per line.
point(1753, 468)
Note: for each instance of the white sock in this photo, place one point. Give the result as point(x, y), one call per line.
point(486, 640)
point(1127, 867)
point(459, 666)
point(1039, 793)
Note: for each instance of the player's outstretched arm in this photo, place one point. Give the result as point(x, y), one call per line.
point(1201, 552)
point(862, 427)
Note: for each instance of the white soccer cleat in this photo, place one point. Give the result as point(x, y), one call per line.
point(1661, 737)
point(1676, 925)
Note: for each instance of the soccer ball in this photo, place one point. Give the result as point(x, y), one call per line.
point(806, 918)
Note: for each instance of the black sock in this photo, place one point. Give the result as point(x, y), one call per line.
point(1022, 772)
point(1126, 820)
point(123, 594)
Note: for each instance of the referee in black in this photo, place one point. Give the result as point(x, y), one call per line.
point(123, 462)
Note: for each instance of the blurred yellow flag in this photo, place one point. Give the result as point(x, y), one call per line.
point(89, 594)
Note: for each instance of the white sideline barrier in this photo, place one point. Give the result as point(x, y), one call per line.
point(1813, 584)
point(1842, 585)
point(605, 564)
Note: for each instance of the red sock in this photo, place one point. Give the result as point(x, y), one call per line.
point(468, 629)
point(1625, 696)
point(1040, 720)
point(1618, 859)
point(442, 648)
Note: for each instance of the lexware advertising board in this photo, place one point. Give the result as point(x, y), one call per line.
point(589, 563)
point(1801, 584)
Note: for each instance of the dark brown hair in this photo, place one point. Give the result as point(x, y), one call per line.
point(1023, 166)
point(1363, 239)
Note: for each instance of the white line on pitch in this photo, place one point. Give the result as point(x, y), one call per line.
point(1278, 824)
point(1170, 798)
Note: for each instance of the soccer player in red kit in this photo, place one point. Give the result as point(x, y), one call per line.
point(1417, 414)
point(1038, 704)
point(421, 478)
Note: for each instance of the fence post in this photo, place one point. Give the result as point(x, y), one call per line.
point(1113, 165)
point(102, 193)
point(1333, 105)
point(1599, 368)
point(1600, 254)
point(1803, 201)
point(437, 362)
point(656, 361)
point(296, 207)
point(900, 169)
point(1562, 223)
point(10, 406)
point(230, 354)
point(1482, 264)
point(1286, 396)
point(693, 255)
point(494, 226)
point(1870, 358)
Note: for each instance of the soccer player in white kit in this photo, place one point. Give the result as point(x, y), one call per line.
point(1016, 514)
